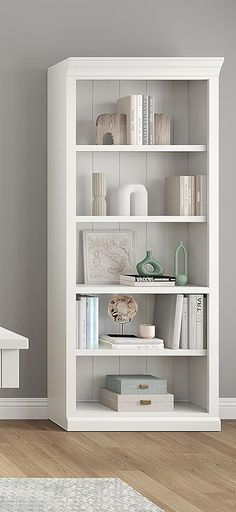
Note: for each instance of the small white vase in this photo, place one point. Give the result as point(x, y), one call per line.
point(140, 203)
point(99, 206)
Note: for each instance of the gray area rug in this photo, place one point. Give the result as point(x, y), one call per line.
point(71, 495)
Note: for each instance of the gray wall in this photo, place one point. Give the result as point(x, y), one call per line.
point(37, 33)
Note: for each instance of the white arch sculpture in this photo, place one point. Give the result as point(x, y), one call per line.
point(140, 204)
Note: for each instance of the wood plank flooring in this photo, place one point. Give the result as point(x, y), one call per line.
point(181, 472)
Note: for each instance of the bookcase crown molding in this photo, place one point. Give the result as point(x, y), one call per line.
point(148, 68)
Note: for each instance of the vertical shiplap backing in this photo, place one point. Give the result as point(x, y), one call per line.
point(150, 169)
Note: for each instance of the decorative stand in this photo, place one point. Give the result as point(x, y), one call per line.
point(99, 206)
point(140, 200)
point(111, 129)
point(162, 129)
point(122, 309)
point(181, 279)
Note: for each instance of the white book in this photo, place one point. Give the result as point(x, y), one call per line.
point(145, 119)
point(81, 322)
point(204, 322)
point(150, 120)
point(192, 322)
point(199, 320)
point(193, 195)
point(201, 195)
point(177, 195)
point(184, 325)
point(132, 340)
point(168, 316)
point(131, 346)
point(127, 282)
point(128, 106)
point(139, 119)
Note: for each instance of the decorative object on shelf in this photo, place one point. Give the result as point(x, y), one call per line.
point(158, 269)
point(153, 402)
point(122, 308)
point(140, 203)
point(99, 206)
point(147, 331)
point(138, 384)
point(162, 129)
point(107, 254)
point(111, 129)
point(181, 279)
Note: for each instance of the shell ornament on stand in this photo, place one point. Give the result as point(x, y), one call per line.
point(122, 309)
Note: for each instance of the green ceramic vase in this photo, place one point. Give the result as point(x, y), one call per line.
point(181, 279)
point(158, 269)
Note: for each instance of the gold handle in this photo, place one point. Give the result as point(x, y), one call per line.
point(145, 402)
point(144, 386)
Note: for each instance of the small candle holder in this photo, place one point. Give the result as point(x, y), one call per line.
point(147, 331)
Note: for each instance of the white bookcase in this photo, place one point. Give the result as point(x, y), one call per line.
point(79, 89)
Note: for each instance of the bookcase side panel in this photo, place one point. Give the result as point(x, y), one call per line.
point(56, 244)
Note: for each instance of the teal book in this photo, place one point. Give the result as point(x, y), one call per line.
point(92, 321)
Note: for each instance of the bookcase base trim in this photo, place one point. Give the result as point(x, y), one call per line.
point(129, 424)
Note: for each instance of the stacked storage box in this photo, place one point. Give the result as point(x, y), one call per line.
point(136, 393)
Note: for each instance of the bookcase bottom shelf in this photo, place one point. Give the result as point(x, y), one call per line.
point(93, 416)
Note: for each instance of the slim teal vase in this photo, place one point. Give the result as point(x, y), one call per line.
point(181, 279)
point(158, 269)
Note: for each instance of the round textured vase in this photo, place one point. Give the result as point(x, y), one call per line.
point(158, 269)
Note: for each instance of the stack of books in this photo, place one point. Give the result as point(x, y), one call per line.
point(186, 195)
point(87, 321)
point(136, 280)
point(181, 321)
point(132, 342)
point(140, 118)
point(136, 393)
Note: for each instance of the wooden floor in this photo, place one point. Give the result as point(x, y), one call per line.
point(181, 472)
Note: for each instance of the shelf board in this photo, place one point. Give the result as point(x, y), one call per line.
point(84, 409)
point(139, 218)
point(140, 352)
point(111, 289)
point(170, 148)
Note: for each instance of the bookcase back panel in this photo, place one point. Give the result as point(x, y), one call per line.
point(149, 169)
point(185, 101)
point(160, 238)
point(186, 376)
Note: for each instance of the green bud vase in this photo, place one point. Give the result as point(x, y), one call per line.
point(181, 279)
point(158, 269)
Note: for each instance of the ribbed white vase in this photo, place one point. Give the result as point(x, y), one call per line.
point(99, 189)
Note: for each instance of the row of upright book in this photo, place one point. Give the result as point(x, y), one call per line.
point(140, 118)
point(182, 321)
point(186, 195)
point(87, 321)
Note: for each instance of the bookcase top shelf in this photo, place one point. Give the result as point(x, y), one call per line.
point(171, 148)
point(140, 218)
point(117, 288)
point(137, 352)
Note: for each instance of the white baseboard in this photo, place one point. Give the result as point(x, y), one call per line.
point(227, 408)
point(37, 408)
point(23, 408)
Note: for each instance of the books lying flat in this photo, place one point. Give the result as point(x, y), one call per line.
point(115, 342)
point(136, 403)
point(136, 280)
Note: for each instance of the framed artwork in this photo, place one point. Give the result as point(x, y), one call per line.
point(107, 254)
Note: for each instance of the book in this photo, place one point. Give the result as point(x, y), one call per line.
point(126, 282)
point(148, 279)
point(127, 105)
point(139, 119)
point(184, 325)
point(92, 322)
point(150, 120)
point(199, 321)
point(204, 322)
point(177, 195)
point(192, 322)
point(193, 195)
point(201, 194)
point(145, 119)
point(168, 317)
point(115, 342)
point(80, 322)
